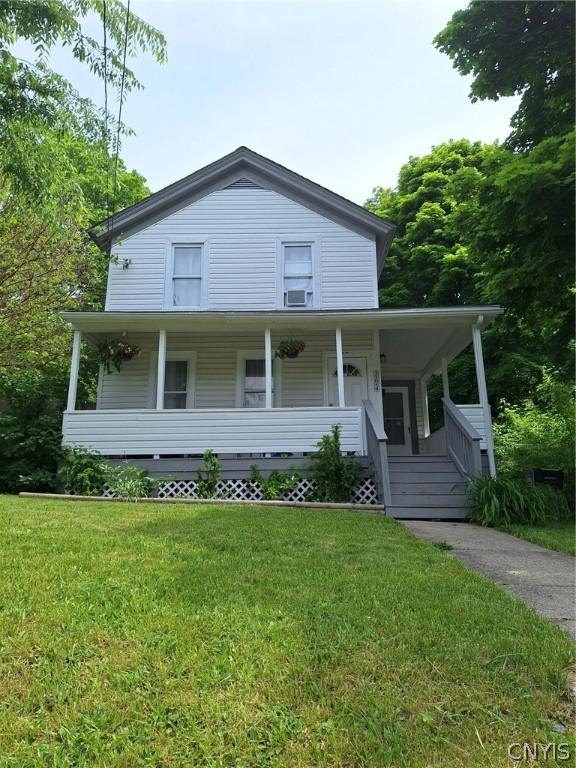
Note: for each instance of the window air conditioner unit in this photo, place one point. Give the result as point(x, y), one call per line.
point(295, 298)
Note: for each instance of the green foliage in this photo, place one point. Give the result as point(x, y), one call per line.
point(522, 238)
point(208, 476)
point(37, 100)
point(539, 433)
point(504, 501)
point(517, 47)
point(290, 348)
point(83, 472)
point(336, 476)
point(278, 484)
point(128, 481)
point(204, 636)
point(115, 352)
point(429, 262)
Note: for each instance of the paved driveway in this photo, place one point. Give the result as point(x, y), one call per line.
point(541, 577)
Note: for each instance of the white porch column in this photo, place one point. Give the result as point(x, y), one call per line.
point(268, 366)
point(74, 368)
point(161, 370)
point(425, 412)
point(340, 367)
point(483, 394)
point(445, 383)
point(377, 383)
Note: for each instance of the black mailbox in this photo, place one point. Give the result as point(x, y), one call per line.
point(552, 477)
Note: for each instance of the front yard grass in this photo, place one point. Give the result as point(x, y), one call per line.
point(183, 635)
point(559, 535)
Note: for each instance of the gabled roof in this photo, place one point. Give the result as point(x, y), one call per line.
point(241, 166)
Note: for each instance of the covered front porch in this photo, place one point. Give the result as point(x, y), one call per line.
point(214, 380)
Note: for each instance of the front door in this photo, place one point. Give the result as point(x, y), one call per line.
point(355, 383)
point(397, 420)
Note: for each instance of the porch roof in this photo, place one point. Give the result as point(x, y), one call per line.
point(321, 319)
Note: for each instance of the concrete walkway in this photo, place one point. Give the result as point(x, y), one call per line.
point(544, 579)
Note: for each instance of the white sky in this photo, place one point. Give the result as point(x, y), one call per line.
point(341, 92)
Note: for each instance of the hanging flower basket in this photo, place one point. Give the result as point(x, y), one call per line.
point(290, 348)
point(116, 352)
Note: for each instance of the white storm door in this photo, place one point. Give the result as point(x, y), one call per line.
point(396, 407)
point(355, 381)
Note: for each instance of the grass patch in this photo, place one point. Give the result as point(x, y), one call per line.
point(559, 535)
point(148, 635)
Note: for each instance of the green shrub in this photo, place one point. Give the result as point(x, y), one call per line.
point(504, 501)
point(539, 433)
point(278, 484)
point(336, 476)
point(83, 472)
point(127, 481)
point(208, 476)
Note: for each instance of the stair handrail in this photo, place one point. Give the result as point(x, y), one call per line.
point(377, 447)
point(462, 441)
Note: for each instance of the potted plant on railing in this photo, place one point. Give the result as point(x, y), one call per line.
point(115, 352)
point(290, 348)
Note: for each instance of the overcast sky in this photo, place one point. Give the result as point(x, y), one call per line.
point(341, 92)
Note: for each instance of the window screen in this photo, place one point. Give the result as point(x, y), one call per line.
point(187, 276)
point(298, 272)
point(175, 384)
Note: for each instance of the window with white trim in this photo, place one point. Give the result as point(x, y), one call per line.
point(179, 380)
point(254, 383)
point(176, 383)
point(186, 280)
point(298, 267)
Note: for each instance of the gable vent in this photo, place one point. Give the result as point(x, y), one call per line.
point(243, 184)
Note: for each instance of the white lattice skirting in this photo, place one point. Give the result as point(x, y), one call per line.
point(246, 490)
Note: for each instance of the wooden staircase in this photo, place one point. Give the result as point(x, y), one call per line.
point(426, 487)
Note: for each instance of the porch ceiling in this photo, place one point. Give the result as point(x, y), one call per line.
point(417, 329)
point(419, 351)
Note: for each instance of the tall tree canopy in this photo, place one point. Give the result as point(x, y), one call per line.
point(59, 173)
point(516, 47)
point(38, 105)
point(430, 263)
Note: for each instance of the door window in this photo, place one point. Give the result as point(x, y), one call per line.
point(394, 418)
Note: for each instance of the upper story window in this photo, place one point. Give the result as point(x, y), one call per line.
point(186, 280)
point(298, 275)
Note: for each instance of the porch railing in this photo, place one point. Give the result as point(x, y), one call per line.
point(377, 450)
point(462, 441)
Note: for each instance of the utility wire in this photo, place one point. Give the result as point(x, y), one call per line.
point(119, 125)
point(105, 54)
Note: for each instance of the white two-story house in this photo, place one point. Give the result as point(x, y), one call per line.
point(216, 274)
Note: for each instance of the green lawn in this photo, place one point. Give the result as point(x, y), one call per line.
point(147, 635)
point(554, 535)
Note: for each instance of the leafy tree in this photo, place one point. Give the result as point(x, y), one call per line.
point(57, 177)
point(524, 48)
point(31, 89)
point(39, 107)
point(429, 263)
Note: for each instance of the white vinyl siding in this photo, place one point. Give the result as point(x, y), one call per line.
point(298, 382)
point(240, 229)
point(234, 430)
